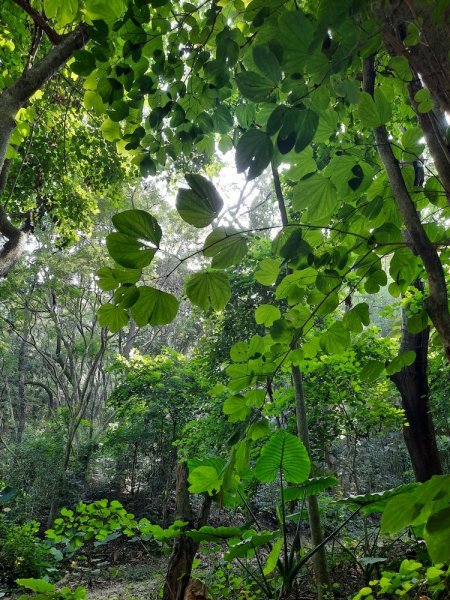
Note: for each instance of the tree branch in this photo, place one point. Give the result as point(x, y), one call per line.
point(437, 302)
point(40, 21)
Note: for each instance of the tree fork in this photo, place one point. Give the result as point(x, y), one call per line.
point(437, 302)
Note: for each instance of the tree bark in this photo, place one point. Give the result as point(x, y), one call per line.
point(320, 558)
point(437, 301)
point(185, 548)
point(412, 383)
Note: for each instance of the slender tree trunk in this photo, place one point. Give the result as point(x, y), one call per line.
point(320, 558)
point(184, 548)
point(22, 373)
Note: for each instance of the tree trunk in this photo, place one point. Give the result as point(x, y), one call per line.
point(184, 548)
point(320, 558)
point(412, 383)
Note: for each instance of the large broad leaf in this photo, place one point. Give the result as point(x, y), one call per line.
point(376, 502)
point(204, 479)
point(283, 452)
point(437, 536)
point(318, 196)
point(336, 339)
point(200, 205)
point(113, 317)
point(63, 12)
point(139, 224)
point(253, 152)
point(308, 122)
point(311, 487)
point(128, 251)
point(266, 314)
point(273, 557)
point(267, 63)
point(209, 289)
point(207, 533)
point(296, 35)
point(269, 269)
point(109, 279)
point(374, 112)
point(236, 408)
point(226, 246)
point(254, 86)
point(251, 541)
point(358, 316)
point(154, 307)
point(104, 10)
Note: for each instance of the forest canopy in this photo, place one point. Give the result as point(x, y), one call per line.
point(225, 261)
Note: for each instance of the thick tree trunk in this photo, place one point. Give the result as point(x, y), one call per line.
point(184, 548)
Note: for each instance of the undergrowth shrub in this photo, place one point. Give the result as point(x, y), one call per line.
point(22, 553)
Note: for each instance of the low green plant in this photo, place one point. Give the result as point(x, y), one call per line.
point(412, 579)
point(43, 590)
point(22, 553)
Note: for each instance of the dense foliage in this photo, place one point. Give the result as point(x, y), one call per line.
point(225, 245)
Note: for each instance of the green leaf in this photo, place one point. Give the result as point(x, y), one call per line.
point(266, 314)
point(111, 131)
point(84, 63)
point(204, 479)
point(405, 359)
point(105, 10)
point(376, 502)
point(138, 223)
point(251, 541)
point(253, 152)
point(328, 280)
point(63, 12)
point(200, 205)
point(400, 65)
point(209, 289)
point(269, 269)
point(227, 247)
point(254, 87)
point(296, 36)
point(318, 196)
point(355, 318)
point(336, 339)
point(374, 112)
point(126, 296)
point(207, 533)
point(311, 487)
point(284, 452)
point(371, 371)
point(236, 408)
point(39, 586)
point(129, 252)
point(400, 512)
point(154, 307)
point(267, 63)
point(273, 557)
point(111, 316)
point(307, 124)
point(437, 536)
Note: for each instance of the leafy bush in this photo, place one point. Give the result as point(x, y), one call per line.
point(411, 578)
point(47, 591)
point(22, 553)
